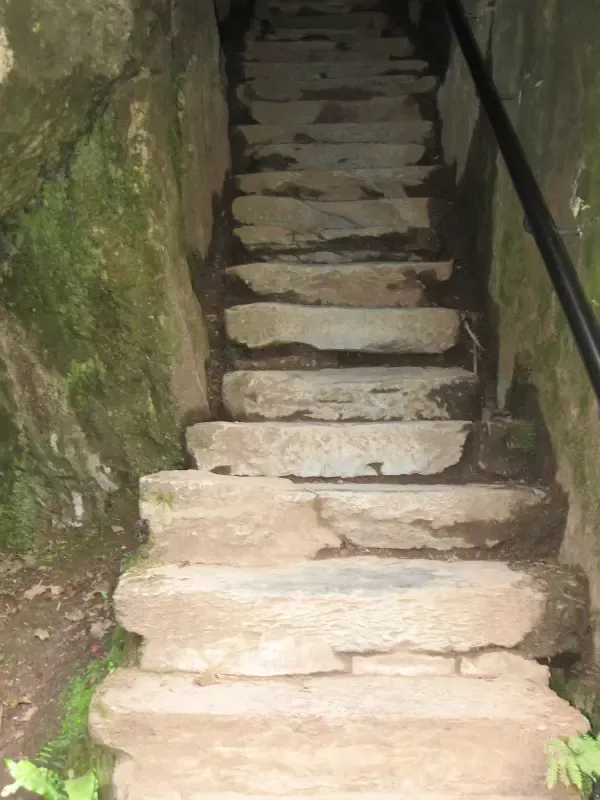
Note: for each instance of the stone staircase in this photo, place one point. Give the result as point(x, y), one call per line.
point(323, 610)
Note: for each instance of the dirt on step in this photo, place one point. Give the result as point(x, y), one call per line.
point(55, 618)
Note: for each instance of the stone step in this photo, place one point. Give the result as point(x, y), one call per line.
point(318, 70)
point(360, 734)
point(311, 216)
point(334, 89)
point(370, 284)
point(350, 20)
point(324, 156)
point(290, 8)
point(327, 450)
point(261, 33)
point(200, 517)
point(370, 330)
point(305, 112)
point(311, 617)
point(327, 50)
point(417, 130)
point(342, 185)
point(340, 395)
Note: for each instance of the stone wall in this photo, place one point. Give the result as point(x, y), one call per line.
point(113, 148)
point(544, 59)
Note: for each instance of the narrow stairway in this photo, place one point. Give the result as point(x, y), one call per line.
point(322, 610)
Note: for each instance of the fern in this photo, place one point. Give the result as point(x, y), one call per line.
point(574, 761)
point(48, 783)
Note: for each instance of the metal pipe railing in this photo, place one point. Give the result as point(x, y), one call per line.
point(579, 313)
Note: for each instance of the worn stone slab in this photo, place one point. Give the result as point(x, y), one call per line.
point(290, 8)
point(205, 518)
point(307, 216)
point(304, 618)
point(374, 284)
point(506, 665)
point(364, 393)
point(314, 450)
point(372, 330)
point(376, 109)
point(349, 734)
point(327, 50)
point(325, 156)
point(317, 70)
point(408, 132)
point(350, 20)
point(373, 242)
point(259, 32)
point(200, 517)
point(341, 185)
point(284, 91)
point(442, 517)
point(404, 663)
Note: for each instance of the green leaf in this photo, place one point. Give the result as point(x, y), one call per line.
point(84, 788)
point(26, 775)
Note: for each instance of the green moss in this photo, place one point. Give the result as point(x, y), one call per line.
point(84, 275)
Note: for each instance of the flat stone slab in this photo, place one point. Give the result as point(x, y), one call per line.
point(317, 70)
point(340, 185)
point(285, 91)
point(350, 20)
point(203, 518)
point(325, 156)
point(337, 36)
point(371, 284)
point(371, 330)
point(305, 112)
point(327, 50)
point(340, 395)
point(308, 216)
point(411, 131)
point(200, 517)
point(305, 618)
point(290, 8)
point(327, 450)
point(350, 734)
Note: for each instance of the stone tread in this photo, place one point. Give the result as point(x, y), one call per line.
point(264, 8)
point(356, 734)
point(340, 185)
point(304, 112)
point(373, 284)
point(337, 36)
point(363, 393)
point(317, 70)
point(286, 91)
point(370, 330)
point(308, 216)
point(331, 156)
point(326, 50)
point(306, 617)
point(358, 132)
point(200, 517)
point(364, 20)
point(329, 450)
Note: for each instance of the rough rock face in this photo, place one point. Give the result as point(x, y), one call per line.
point(102, 341)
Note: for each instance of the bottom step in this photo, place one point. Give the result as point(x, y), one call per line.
point(373, 735)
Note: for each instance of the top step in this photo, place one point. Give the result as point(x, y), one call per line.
point(349, 21)
point(327, 50)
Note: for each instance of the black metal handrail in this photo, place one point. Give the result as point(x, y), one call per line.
point(578, 311)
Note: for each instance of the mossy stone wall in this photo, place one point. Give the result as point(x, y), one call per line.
point(544, 59)
point(103, 347)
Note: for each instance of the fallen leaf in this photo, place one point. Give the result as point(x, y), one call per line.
point(118, 529)
point(35, 591)
point(100, 628)
point(28, 714)
point(55, 590)
point(75, 616)
point(41, 634)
